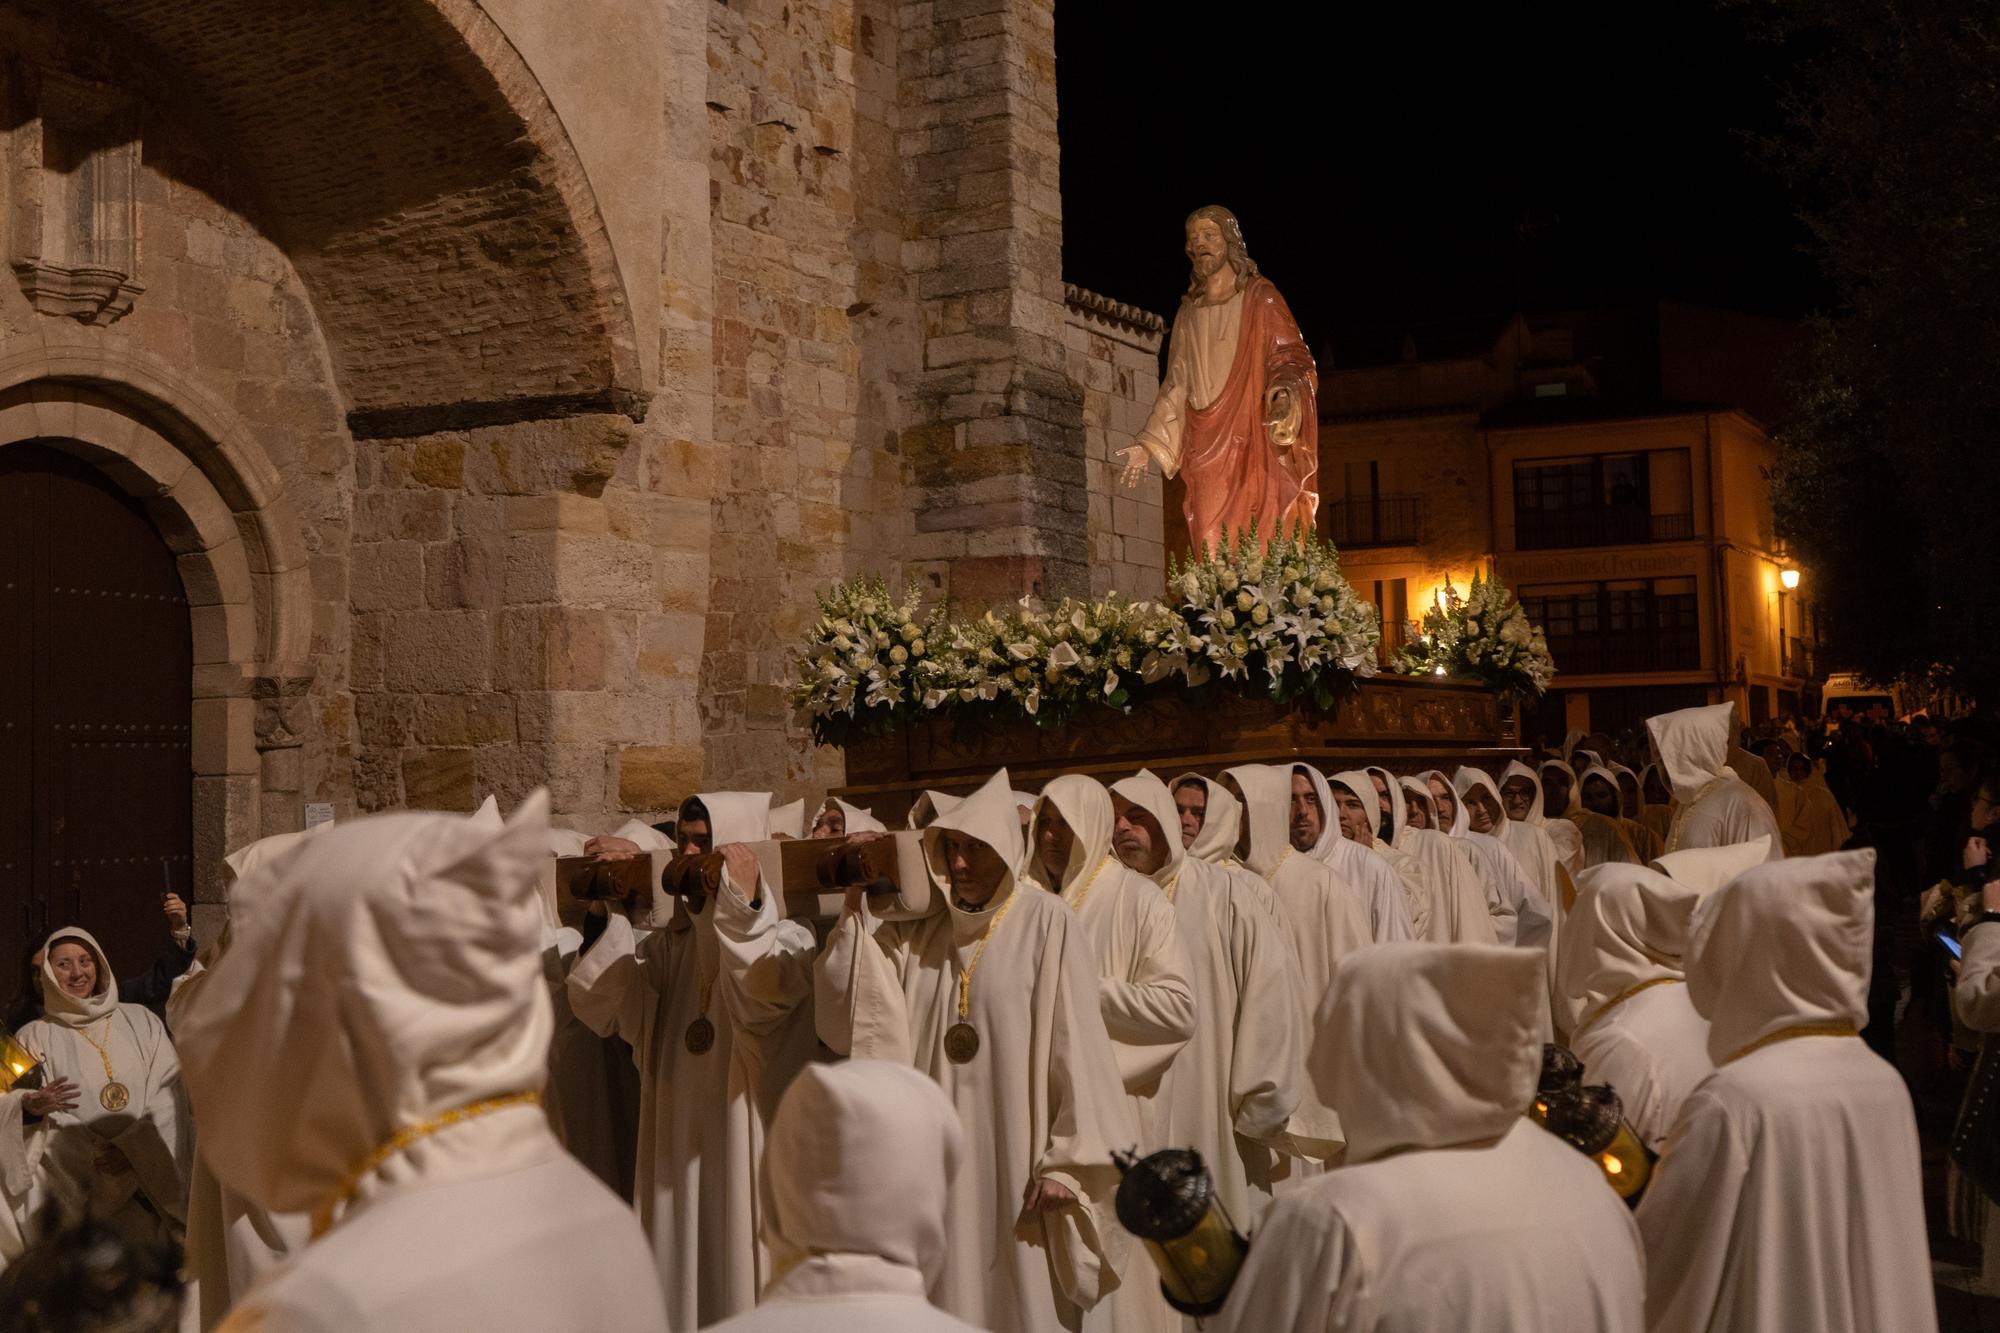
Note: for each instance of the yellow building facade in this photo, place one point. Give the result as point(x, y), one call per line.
point(1629, 509)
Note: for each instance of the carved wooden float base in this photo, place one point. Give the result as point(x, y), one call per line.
point(1402, 724)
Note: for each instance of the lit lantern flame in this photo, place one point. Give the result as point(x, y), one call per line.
point(16, 1061)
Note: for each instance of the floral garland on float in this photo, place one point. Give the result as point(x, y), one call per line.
point(1270, 618)
point(1484, 635)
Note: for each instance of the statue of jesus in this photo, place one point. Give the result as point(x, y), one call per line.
point(1237, 414)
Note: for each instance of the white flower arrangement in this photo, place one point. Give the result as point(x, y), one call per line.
point(1277, 617)
point(1276, 620)
point(1485, 635)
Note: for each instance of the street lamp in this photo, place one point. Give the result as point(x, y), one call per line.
point(1789, 577)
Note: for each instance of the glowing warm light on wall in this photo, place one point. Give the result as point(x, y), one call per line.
point(1789, 577)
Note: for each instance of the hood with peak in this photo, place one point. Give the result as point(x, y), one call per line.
point(1629, 926)
point(75, 1011)
point(846, 1197)
point(1399, 813)
point(1220, 826)
point(1330, 834)
point(1694, 746)
point(787, 821)
point(1469, 777)
point(1267, 806)
point(736, 816)
point(989, 815)
point(1706, 869)
point(1460, 822)
point(1537, 815)
point(857, 820)
point(1145, 790)
point(1429, 1045)
point(1575, 784)
point(1784, 944)
point(1358, 782)
point(385, 972)
point(1086, 807)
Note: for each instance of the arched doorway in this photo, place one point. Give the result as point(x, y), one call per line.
point(96, 781)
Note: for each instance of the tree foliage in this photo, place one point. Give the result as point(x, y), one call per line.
point(1887, 476)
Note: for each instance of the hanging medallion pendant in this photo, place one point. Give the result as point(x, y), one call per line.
point(700, 1036)
point(961, 1043)
point(114, 1096)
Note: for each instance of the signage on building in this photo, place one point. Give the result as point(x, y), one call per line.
point(1596, 565)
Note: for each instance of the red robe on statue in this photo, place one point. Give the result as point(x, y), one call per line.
point(1223, 450)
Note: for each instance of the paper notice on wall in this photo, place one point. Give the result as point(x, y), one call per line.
point(318, 813)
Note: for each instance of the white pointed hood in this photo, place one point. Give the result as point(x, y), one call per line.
point(1428, 1045)
point(1598, 773)
point(1706, 869)
point(928, 806)
point(1460, 823)
point(859, 820)
point(736, 816)
point(1469, 777)
point(1631, 807)
point(75, 1011)
point(1086, 807)
point(1330, 834)
point(1145, 790)
point(989, 815)
point(1575, 786)
point(1356, 781)
point(1416, 791)
point(1220, 826)
point(1537, 816)
point(386, 971)
point(858, 1172)
point(1784, 944)
point(1629, 926)
point(1267, 799)
point(787, 821)
point(1399, 814)
point(1693, 745)
point(251, 855)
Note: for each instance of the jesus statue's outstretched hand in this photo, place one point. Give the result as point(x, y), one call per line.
point(1135, 465)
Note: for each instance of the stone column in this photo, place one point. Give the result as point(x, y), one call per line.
point(993, 440)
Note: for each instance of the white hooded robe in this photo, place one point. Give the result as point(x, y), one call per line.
point(1370, 876)
point(385, 977)
point(1040, 1099)
point(1461, 912)
point(1790, 1195)
point(1452, 1210)
point(1713, 807)
point(702, 1117)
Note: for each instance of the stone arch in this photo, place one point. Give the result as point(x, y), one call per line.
point(411, 166)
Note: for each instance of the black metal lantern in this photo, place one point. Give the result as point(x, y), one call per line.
point(1169, 1202)
point(1561, 1072)
point(1591, 1119)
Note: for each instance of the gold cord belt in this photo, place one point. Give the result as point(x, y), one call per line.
point(322, 1217)
point(1619, 999)
point(1786, 1034)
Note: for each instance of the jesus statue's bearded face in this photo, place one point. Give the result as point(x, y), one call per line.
point(1207, 247)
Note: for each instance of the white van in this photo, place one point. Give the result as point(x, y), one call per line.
point(1848, 696)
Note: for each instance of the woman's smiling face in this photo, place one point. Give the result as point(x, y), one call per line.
point(75, 967)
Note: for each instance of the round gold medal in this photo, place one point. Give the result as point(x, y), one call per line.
point(700, 1036)
point(114, 1096)
point(961, 1043)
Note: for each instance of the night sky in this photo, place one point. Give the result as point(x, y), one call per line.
point(1381, 158)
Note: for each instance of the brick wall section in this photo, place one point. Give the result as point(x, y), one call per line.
point(993, 441)
point(1114, 353)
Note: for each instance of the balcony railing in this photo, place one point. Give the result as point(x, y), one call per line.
point(1376, 520)
point(1558, 529)
point(1626, 651)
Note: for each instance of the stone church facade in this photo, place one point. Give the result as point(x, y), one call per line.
point(502, 378)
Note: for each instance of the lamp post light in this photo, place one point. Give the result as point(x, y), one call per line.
point(1789, 577)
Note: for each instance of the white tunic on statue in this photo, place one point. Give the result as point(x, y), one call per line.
point(1362, 871)
point(403, 952)
point(1713, 807)
point(1041, 1098)
point(1451, 1211)
point(1232, 1092)
point(1790, 1194)
point(151, 1132)
point(860, 1165)
point(702, 1117)
point(1633, 1025)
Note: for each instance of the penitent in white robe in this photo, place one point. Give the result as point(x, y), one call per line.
point(1452, 1210)
point(1041, 1098)
point(702, 1118)
point(1364, 873)
point(1790, 1194)
point(1713, 806)
point(1458, 903)
point(1234, 1089)
point(1146, 996)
